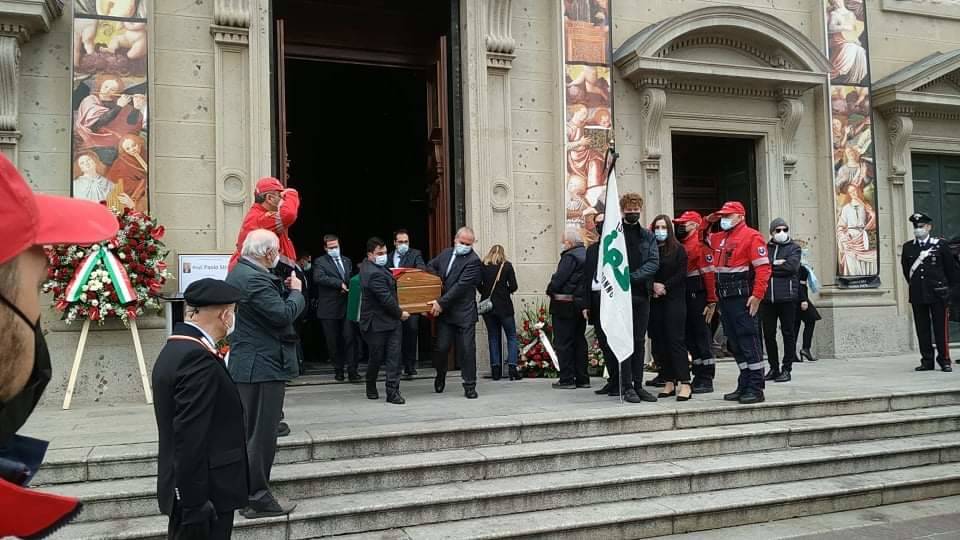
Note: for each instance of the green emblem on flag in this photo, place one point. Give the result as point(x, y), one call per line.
point(614, 258)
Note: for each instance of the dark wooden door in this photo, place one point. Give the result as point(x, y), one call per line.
point(438, 169)
point(280, 61)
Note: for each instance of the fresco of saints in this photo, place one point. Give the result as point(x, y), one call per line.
point(854, 172)
point(89, 183)
point(129, 174)
point(108, 114)
point(856, 220)
point(847, 55)
point(582, 159)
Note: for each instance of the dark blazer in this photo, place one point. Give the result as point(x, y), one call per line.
point(379, 307)
point(586, 297)
point(500, 296)
point(261, 346)
point(566, 281)
point(935, 276)
point(459, 296)
point(643, 258)
point(203, 452)
point(785, 278)
point(411, 259)
point(331, 298)
point(673, 274)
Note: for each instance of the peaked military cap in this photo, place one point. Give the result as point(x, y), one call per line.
point(211, 292)
point(920, 218)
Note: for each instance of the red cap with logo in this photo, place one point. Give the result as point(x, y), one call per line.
point(729, 208)
point(689, 216)
point(30, 219)
point(268, 184)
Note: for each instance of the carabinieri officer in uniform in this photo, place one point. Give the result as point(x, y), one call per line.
point(931, 271)
point(202, 463)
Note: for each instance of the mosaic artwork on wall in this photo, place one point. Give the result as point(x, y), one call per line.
point(109, 103)
point(854, 155)
point(588, 105)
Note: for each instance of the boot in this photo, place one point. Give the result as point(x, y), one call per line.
point(496, 372)
point(751, 396)
point(395, 397)
point(806, 355)
point(470, 391)
point(372, 390)
point(440, 381)
point(514, 374)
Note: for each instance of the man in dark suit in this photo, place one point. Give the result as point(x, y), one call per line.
point(456, 310)
point(931, 272)
point(331, 278)
point(202, 461)
point(380, 320)
point(403, 256)
point(263, 358)
point(568, 322)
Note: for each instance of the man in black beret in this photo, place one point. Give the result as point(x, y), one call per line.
point(931, 272)
point(202, 462)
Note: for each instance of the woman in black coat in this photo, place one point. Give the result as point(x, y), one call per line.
point(500, 318)
point(668, 312)
point(808, 315)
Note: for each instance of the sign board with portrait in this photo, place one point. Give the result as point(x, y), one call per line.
point(109, 103)
point(854, 154)
point(196, 266)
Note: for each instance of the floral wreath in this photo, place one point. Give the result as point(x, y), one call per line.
point(120, 278)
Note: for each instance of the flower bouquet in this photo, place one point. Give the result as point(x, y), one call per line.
point(534, 360)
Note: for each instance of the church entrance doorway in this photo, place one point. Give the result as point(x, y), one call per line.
point(708, 171)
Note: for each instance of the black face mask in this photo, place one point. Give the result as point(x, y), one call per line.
point(632, 218)
point(682, 233)
point(15, 411)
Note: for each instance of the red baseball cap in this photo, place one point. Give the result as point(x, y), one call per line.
point(729, 207)
point(689, 216)
point(30, 219)
point(268, 184)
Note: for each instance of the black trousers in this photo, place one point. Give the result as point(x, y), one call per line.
point(668, 322)
point(786, 314)
point(743, 339)
point(808, 328)
point(464, 341)
point(699, 337)
point(340, 337)
point(221, 529)
point(384, 350)
point(411, 330)
point(262, 408)
point(571, 347)
point(632, 368)
point(936, 316)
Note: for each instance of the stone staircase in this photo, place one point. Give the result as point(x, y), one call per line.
point(628, 472)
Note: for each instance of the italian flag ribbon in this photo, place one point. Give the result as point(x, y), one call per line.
point(118, 275)
point(547, 346)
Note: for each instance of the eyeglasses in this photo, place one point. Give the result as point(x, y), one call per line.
point(781, 229)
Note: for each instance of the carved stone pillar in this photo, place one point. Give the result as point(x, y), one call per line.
point(790, 111)
point(232, 79)
point(496, 141)
point(899, 128)
point(653, 104)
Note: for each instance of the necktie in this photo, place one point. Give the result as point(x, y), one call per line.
point(450, 266)
point(340, 268)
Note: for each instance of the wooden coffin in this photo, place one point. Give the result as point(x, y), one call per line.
point(415, 288)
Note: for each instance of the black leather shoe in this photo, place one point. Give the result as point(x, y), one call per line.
point(749, 398)
point(395, 398)
point(805, 354)
point(440, 382)
point(583, 385)
point(412, 373)
point(514, 374)
point(470, 392)
point(496, 370)
point(668, 394)
point(355, 378)
point(339, 377)
point(407, 376)
point(630, 396)
point(681, 397)
point(923, 368)
point(564, 386)
point(656, 382)
point(267, 507)
point(733, 396)
point(646, 396)
point(283, 429)
point(784, 377)
point(605, 390)
point(372, 391)
point(703, 387)
point(771, 375)
point(946, 368)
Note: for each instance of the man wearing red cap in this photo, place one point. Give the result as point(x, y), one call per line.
point(701, 299)
point(29, 221)
point(743, 272)
point(275, 209)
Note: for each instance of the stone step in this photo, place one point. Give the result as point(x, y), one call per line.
point(659, 514)
point(68, 465)
point(136, 497)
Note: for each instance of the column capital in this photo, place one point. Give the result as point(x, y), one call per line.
point(231, 13)
point(790, 112)
point(899, 130)
point(653, 104)
point(499, 40)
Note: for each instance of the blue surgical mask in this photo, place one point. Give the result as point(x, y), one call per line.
point(726, 223)
point(381, 260)
point(335, 253)
point(661, 235)
point(461, 249)
point(403, 248)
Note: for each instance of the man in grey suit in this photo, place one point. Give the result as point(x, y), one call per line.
point(456, 310)
point(404, 256)
point(263, 357)
point(331, 278)
point(380, 318)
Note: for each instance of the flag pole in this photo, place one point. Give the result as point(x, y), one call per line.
point(609, 163)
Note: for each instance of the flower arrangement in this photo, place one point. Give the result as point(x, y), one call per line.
point(120, 278)
point(595, 359)
point(534, 361)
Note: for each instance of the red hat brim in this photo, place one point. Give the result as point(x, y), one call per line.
point(62, 220)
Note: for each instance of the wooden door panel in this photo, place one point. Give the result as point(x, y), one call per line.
point(926, 187)
point(280, 60)
point(438, 169)
point(950, 196)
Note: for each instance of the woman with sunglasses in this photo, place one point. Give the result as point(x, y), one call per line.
point(780, 302)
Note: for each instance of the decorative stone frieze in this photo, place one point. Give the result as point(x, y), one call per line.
point(654, 102)
point(499, 39)
point(790, 111)
point(232, 13)
point(899, 130)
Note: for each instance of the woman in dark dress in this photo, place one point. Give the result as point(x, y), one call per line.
point(668, 312)
point(499, 320)
point(808, 315)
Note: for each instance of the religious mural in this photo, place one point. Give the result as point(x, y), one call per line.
point(589, 110)
point(109, 103)
point(853, 156)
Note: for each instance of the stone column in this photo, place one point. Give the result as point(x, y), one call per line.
point(233, 116)
point(653, 103)
point(899, 128)
point(11, 37)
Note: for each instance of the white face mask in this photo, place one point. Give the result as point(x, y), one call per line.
point(381, 260)
point(233, 324)
point(921, 233)
point(781, 237)
point(402, 249)
point(334, 252)
point(461, 249)
point(275, 261)
point(726, 223)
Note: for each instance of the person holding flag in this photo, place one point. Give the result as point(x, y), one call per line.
point(626, 263)
point(743, 273)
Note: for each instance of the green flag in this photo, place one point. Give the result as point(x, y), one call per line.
point(354, 299)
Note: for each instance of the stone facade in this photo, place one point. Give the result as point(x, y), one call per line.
point(758, 70)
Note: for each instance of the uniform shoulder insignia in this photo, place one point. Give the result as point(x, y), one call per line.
point(762, 251)
point(709, 258)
